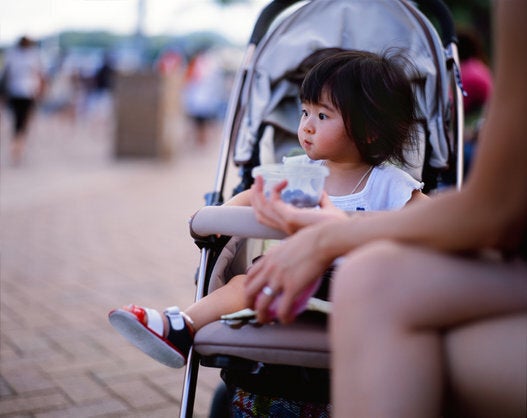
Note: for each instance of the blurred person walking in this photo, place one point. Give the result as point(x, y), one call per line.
point(204, 93)
point(24, 81)
point(100, 97)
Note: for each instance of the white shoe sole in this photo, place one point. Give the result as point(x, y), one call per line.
point(145, 339)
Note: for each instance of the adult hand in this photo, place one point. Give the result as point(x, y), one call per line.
point(286, 270)
point(277, 214)
point(329, 210)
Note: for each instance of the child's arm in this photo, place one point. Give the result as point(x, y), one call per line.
point(417, 195)
point(241, 199)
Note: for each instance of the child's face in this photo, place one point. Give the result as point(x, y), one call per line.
point(322, 133)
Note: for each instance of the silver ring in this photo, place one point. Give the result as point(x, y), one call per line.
point(268, 291)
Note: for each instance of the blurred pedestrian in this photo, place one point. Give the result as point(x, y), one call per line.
point(204, 93)
point(24, 85)
point(170, 61)
point(105, 75)
point(101, 89)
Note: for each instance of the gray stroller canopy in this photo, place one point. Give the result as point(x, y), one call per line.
point(374, 25)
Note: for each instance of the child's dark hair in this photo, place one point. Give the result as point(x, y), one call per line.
point(375, 98)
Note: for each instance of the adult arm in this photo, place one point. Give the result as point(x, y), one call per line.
point(490, 210)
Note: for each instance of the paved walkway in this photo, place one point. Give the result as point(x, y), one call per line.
point(81, 233)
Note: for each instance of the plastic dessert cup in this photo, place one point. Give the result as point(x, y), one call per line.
point(305, 182)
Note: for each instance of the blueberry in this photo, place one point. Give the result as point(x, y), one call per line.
point(298, 198)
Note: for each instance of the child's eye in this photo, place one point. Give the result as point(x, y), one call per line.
point(304, 112)
point(322, 116)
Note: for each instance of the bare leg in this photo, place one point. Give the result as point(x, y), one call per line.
point(144, 327)
point(391, 303)
point(483, 383)
point(17, 148)
point(22, 114)
point(224, 300)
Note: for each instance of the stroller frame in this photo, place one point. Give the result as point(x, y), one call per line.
point(204, 227)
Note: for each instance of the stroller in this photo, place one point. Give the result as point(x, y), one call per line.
point(263, 364)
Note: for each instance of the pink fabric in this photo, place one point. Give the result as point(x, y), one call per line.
point(300, 303)
point(477, 82)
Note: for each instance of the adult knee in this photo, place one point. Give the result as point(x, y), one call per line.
point(365, 278)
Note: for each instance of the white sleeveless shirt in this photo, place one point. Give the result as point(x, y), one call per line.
point(387, 188)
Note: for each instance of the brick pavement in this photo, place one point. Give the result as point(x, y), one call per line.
point(82, 233)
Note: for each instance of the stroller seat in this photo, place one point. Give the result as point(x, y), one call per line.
point(274, 343)
point(303, 343)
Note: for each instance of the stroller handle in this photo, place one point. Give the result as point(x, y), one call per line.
point(267, 16)
point(436, 7)
point(442, 13)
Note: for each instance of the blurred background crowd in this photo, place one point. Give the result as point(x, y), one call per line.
point(79, 67)
point(86, 73)
point(155, 89)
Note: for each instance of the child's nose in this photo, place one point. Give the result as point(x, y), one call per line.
point(308, 126)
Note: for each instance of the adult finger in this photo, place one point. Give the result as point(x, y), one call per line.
point(276, 192)
point(256, 190)
point(255, 281)
point(325, 200)
point(263, 302)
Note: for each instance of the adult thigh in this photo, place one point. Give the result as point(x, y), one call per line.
point(426, 289)
point(487, 367)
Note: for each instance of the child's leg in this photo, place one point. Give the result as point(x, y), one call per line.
point(168, 336)
point(391, 305)
point(226, 299)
